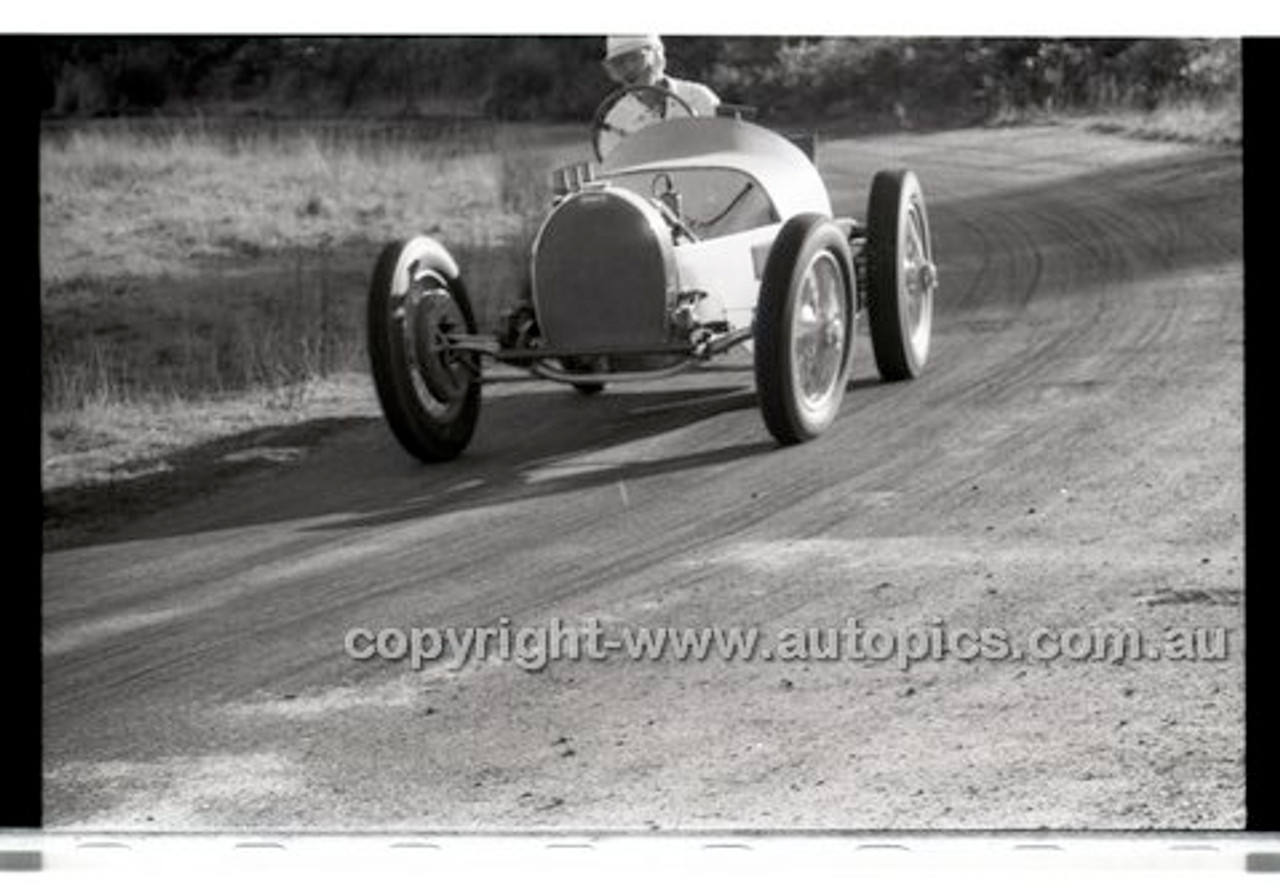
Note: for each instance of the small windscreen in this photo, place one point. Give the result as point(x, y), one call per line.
point(713, 201)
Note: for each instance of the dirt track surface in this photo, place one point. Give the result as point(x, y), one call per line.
point(1071, 458)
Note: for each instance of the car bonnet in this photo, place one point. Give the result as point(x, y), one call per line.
point(782, 169)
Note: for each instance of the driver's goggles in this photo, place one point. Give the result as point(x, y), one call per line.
point(629, 64)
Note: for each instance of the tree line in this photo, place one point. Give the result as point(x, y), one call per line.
point(894, 81)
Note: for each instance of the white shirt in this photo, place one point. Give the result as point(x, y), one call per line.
point(700, 98)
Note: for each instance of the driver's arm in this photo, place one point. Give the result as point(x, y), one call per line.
point(629, 115)
point(702, 99)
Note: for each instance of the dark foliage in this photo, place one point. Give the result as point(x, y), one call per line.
point(889, 81)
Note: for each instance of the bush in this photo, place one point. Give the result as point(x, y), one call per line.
point(523, 86)
point(143, 82)
point(1212, 68)
point(548, 79)
point(880, 81)
point(80, 91)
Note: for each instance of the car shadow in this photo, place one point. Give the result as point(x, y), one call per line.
point(522, 452)
point(282, 474)
point(86, 512)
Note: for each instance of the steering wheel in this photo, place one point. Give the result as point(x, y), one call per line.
point(601, 126)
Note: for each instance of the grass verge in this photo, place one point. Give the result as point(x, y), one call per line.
point(108, 462)
point(1200, 123)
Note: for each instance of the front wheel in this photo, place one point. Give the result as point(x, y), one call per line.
point(803, 328)
point(428, 389)
point(901, 276)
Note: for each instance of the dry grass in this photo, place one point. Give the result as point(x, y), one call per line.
point(1216, 124)
point(195, 284)
point(1203, 123)
point(115, 440)
point(187, 263)
point(130, 204)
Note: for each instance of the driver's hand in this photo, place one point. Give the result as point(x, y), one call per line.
point(629, 115)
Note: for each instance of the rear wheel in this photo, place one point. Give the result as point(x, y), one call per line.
point(803, 330)
point(429, 390)
point(901, 276)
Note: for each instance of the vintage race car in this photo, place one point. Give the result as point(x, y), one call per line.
point(692, 236)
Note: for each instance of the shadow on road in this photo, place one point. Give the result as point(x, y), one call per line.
point(282, 474)
point(82, 513)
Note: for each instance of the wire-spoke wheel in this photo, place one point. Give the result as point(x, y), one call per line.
point(803, 329)
point(902, 277)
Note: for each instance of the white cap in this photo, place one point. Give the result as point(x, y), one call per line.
point(616, 46)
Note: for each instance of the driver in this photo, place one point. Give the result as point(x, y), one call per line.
point(641, 61)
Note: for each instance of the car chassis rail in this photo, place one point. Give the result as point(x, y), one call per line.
point(704, 346)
